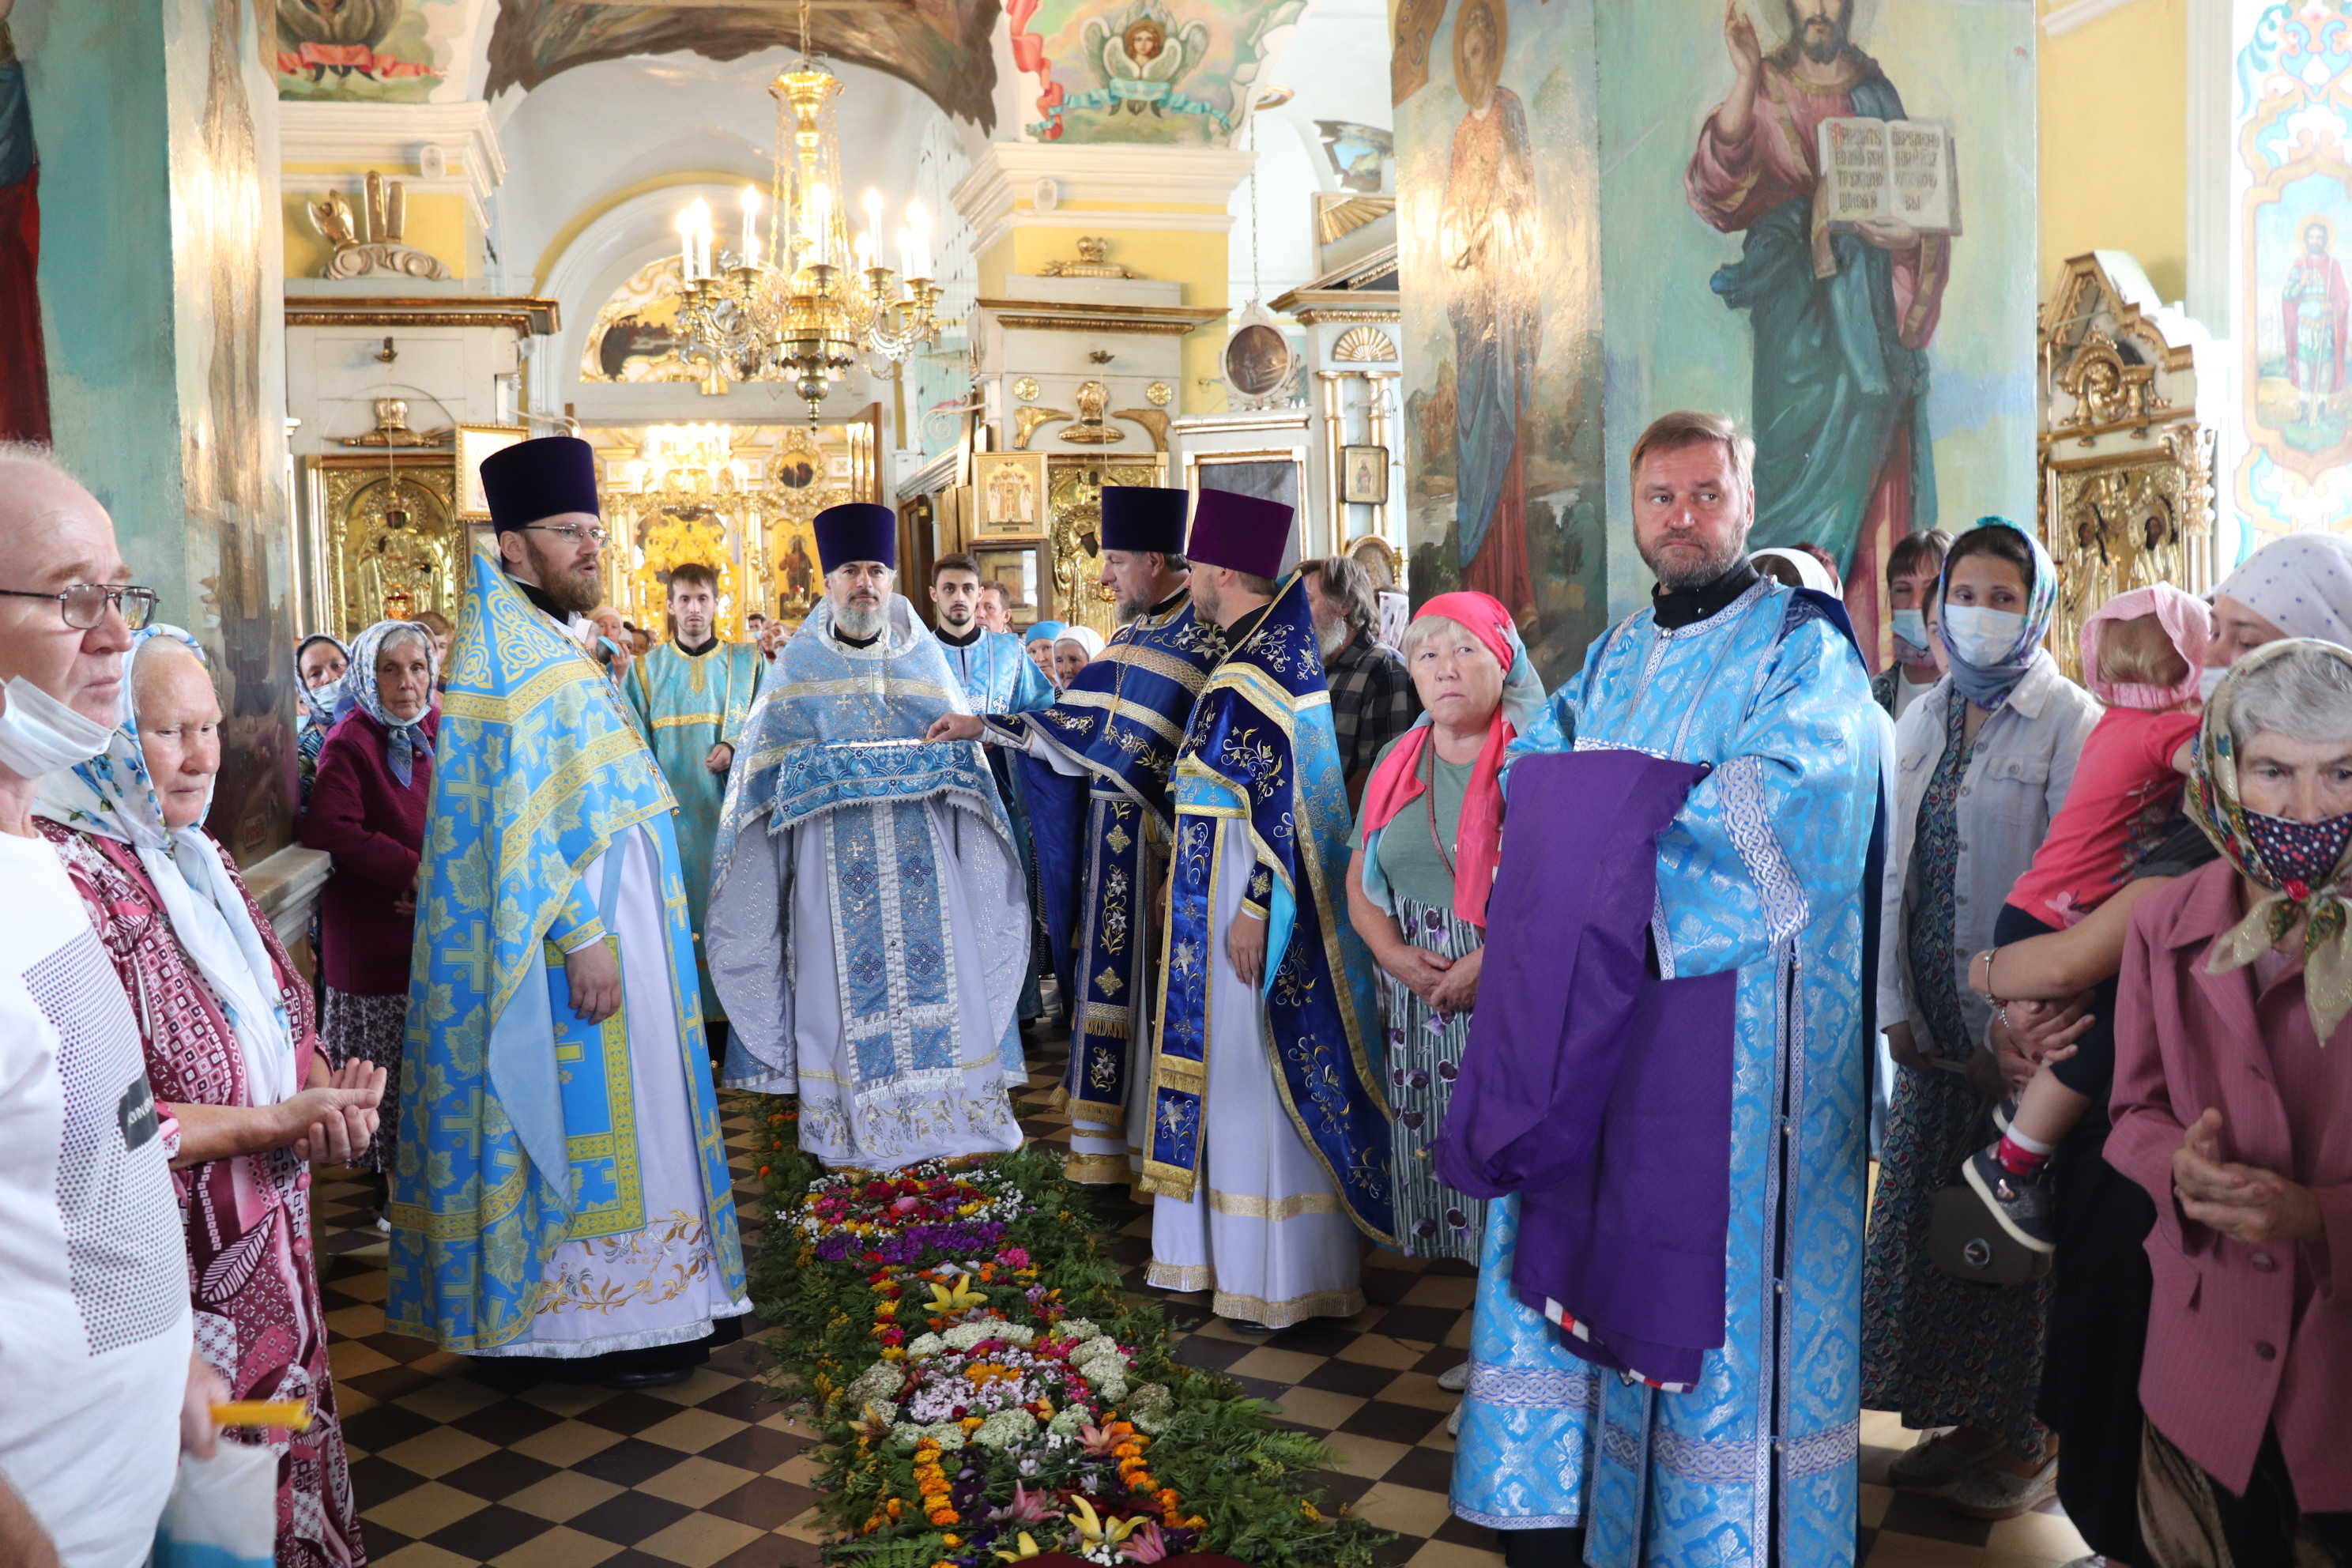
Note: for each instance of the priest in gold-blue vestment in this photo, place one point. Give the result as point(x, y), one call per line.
point(564, 1192)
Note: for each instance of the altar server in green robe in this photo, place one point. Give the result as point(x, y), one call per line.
point(691, 696)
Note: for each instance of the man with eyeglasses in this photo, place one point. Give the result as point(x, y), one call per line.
point(566, 1196)
point(103, 1387)
point(869, 921)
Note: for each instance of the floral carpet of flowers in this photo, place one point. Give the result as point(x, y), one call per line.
point(989, 1394)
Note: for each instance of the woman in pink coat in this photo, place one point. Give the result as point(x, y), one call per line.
point(2232, 1107)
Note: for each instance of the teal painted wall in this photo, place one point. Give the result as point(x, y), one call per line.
point(1616, 92)
point(161, 263)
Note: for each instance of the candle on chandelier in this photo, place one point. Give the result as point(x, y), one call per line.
point(920, 221)
point(751, 226)
point(865, 258)
point(821, 220)
point(684, 226)
point(906, 253)
point(698, 216)
point(869, 242)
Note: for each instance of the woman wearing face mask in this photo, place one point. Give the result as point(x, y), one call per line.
point(226, 1023)
point(1984, 760)
point(319, 661)
point(2231, 1078)
point(1912, 568)
point(368, 812)
point(2059, 996)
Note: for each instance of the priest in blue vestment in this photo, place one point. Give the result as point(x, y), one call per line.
point(1742, 1451)
point(562, 1190)
point(1267, 1145)
point(1094, 770)
point(691, 696)
point(996, 671)
point(869, 928)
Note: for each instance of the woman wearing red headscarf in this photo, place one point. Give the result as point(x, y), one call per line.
point(1426, 847)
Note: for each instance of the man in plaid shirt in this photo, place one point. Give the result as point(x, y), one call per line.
point(1372, 697)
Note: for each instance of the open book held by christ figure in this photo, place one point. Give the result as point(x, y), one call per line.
point(1842, 311)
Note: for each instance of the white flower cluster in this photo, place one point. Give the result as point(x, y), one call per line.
point(1104, 1366)
point(1003, 1428)
point(877, 1386)
point(1150, 1408)
point(948, 1434)
point(965, 1335)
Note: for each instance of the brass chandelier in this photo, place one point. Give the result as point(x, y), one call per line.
point(797, 302)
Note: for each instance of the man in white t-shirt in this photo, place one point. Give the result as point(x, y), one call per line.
point(102, 1386)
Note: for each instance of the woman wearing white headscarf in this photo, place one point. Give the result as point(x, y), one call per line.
point(1076, 648)
point(226, 1023)
point(367, 810)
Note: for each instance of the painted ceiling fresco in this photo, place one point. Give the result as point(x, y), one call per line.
point(1177, 72)
point(940, 47)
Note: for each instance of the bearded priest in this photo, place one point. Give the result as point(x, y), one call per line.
point(1095, 774)
point(562, 1190)
point(869, 921)
point(1267, 1149)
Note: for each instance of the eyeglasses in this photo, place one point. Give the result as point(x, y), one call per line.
point(570, 532)
point(84, 605)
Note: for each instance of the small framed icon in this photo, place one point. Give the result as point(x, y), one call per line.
point(1010, 490)
point(476, 442)
point(1364, 475)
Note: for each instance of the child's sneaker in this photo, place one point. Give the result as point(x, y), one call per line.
point(2022, 1204)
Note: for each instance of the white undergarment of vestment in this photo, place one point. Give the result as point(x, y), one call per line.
point(1265, 1229)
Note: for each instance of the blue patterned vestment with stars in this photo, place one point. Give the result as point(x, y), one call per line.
point(1260, 748)
point(1761, 873)
point(1101, 829)
point(901, 1039)
point(519, 1130)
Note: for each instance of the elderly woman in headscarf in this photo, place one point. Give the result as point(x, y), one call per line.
point(1038, 642)
point(1423, 862)
point(319, 661)
point(367, 810)
point(1076, 648)
point(1983, 761)
point(2232, 1077)
point(2060, 996)
point(226, 1022)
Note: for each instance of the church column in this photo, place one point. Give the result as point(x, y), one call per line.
point(157, 126)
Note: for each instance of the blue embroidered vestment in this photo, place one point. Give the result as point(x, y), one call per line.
point(1758, 874)
point(1260, 748)
point(518, 1120)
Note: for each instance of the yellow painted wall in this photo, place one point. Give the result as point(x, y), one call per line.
point(2114, 144)
point(438, 223)
point(1196, 258)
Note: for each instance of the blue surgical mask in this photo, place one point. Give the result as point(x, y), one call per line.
point(2208, 681)
point(1980, 637)
point(1911, 637)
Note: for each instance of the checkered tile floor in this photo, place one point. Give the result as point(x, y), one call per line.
point(460, 1462)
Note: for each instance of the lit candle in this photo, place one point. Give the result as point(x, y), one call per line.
point(701, 213)
point(865, 250)
point(906, 253)
point(871, 239)
point(920, 221)
point(821, 220)
point(685, 245)
point(751, 224)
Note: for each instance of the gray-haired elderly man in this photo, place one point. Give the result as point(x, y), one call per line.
point(104, 1388)
point(1372, 698)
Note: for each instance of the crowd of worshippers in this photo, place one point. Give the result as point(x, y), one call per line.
point(2065, 960)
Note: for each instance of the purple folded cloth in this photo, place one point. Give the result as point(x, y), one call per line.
point(1597, 1091)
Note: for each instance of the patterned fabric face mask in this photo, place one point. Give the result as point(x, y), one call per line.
point(2301, 854)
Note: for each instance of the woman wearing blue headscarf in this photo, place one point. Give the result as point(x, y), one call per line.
point(1984, 761)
